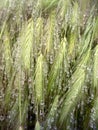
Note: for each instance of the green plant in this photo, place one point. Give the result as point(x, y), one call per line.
point(48, 66)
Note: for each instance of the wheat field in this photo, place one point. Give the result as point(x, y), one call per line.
point(49, 65)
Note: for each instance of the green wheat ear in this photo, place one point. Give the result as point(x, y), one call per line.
point(39, 34)
point(8, 91)
point(75, 92)
point(7, 52)
point(87, 37)
point(72, 42)
point(53, 111)
point(73, 36)
point(39, 79)
point(27, 44)
point(39, 29)
point(56, 65)
point(75, 15)
point(50, 27)
point(64, 7)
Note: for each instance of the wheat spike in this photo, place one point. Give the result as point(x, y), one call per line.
point(39, 34)
point(39, 79)
point(88, 35)
point(73, 36)
point(75, 15)
point(74, 94)
point(7, 52)
point(57, 65)
point(50, 27)
point(26, 44)
point(64, 7)
point(8, 90)
point(51, 115)
point(72, 42)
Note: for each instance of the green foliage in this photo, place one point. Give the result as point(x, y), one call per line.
point(48, 62)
